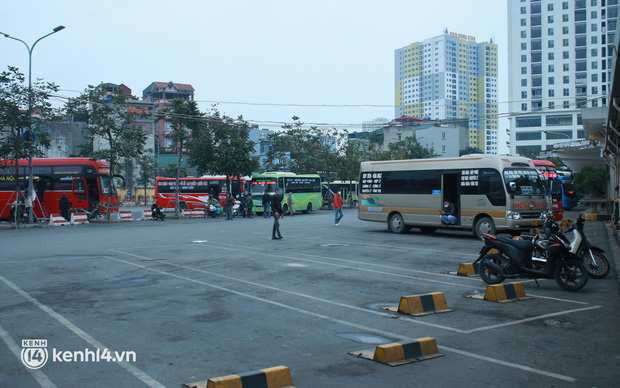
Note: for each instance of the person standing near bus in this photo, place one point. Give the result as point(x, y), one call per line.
point(249, 203)
point(448, 213)
point(337, 208)
point(289, 203)
point(228, 205)
point(276, 205)
point(63, 204)
point(266, 204)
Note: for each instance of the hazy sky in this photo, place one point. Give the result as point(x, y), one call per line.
point(327, 54)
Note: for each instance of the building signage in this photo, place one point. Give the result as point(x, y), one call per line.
point(463, 36)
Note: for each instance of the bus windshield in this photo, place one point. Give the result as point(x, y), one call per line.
point(528, 182)
point(261, 184)
point(104, 181)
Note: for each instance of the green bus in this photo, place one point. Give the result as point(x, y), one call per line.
point(349, 192)
point(306, 190)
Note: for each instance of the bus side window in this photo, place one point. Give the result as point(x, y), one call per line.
point(490, 184)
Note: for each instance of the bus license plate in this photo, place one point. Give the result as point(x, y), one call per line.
point(534, 223)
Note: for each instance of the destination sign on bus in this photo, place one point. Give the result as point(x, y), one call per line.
point(469, 177)
point(371, 182)
point(263, 181)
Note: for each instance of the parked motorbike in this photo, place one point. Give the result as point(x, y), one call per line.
point(515, 260)
point(22, 214)
point(91, 215)
point(593, 257)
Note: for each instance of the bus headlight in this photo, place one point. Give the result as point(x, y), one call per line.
point(513, 215)
point(546, 213)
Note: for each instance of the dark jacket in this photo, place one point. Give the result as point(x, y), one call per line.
point(63, 203)
point(276, 204)
point(266, 199)
point(450, 210)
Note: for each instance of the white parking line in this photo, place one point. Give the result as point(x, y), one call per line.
point(139, 374)
point(345, 323)
point(464, 278)
point(365, 310)
point(38, 375)
point(538, 317)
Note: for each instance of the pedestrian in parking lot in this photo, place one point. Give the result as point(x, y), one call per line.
point(276, 206)
point(337, 208)
point(289, 203)
point(249, 204)
point(228, 205)
point(266, 204)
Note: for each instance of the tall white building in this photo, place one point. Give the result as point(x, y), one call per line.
point(450, 77)
point(559, 60)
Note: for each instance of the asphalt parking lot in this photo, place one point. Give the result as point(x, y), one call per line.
point(194, 299)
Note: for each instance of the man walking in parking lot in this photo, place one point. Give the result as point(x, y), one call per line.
point(337, 208)
point(276, 206)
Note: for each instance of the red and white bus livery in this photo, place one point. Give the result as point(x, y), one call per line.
point(195, 192)
point(84, 181)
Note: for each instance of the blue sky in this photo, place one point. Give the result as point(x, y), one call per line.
point(272, 57)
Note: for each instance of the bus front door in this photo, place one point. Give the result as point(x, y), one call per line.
point(450, 192)
point(80, 193)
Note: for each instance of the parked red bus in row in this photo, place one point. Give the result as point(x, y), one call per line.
point(84, 181)
point(195, 192)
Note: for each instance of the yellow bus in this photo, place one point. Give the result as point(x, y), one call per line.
point(490, 192)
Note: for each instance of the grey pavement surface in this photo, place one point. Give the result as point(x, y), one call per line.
point(202, 298)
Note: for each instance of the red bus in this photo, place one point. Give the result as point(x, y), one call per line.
point(84, 181)
point(548, 171)
point(194, 192)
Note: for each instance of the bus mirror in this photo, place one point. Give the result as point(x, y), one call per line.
point(512, 186)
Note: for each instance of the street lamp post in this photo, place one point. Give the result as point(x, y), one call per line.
point(30, 103)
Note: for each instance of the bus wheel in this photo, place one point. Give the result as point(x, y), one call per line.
point(309, 208)
point(484, 225)
point(397, 224)
point(284, 209)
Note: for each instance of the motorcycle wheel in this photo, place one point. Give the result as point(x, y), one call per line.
point(487, 273)
point(571, 275)
point(597, 267)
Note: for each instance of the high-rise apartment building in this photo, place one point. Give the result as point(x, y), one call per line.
point(450, 77)
point(559, 59)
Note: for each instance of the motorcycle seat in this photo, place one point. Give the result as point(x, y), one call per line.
point(519, 244)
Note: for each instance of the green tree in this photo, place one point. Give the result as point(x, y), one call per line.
point(109, 119)
point(592, 180)
point(187, 121)
point(470, 150)
point(408, 148)
point(171, 170)
point(559, 163)
point(147, 171)
point(16, 103)
point(281, 156)
point(305, 150)
point(224, 147)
